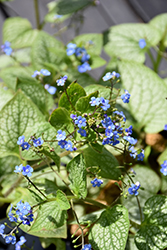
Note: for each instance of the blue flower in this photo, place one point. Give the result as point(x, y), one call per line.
point(57, 16)
point(140, 156)
point(164, 168)
point(109, 133)
point(80, 51)
point(120, 114)
point(36, 73)
point(6, 48)
point(68, 146)
point(24, 208)
point(27, 171)
point(61, 135)
point(2, 227)
point(132, 171)
point(21, 241)
point(87, 247)
point(130, 139)
point(18, 169)
point(72, 116)
point(10, 239)
point(61, 81)
point(82, 132)
point(110, 75)
point(21, 140)
point(71, 49)
point(94, 101)
point(84, 67)
point(27, 219)
point(129, 130)
point(96, 182)
point(45, 72)
point(51, 89)
point(37, 142)
point(80, 121)
point(133, 152)
point(133, 189)
point(62, 143)
point(105, 104)
point(125, 97)
point(25, 145)
point(85, 57)
point(11, 216)
point(107, 123)
point(142, 43)
point(165, 127)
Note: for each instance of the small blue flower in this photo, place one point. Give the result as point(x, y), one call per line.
point(51, 89)
point(107, 123)
point(61, 81)
point(45, 72)
point(37, 142)
point(72, 116)
point(62, 143)
point(68, 146)
point(132, 171)
point(27, 219)
point(36, 73)
point(80, 51)
point(96, 182)
point(80, 121)
point(120, 114)
point(18, 169)
point(105, 104)
point(71, 49)
point(61, 135)
point(108, 133)
point(164, 168)
point(6, 48)
point(129, 130)
point(125, 97)
point(140, 156)
point(57, 16)
point(27, 171)
point(133, 152)
point(11, 216)
point(2, 227)
point(84, 67)
point(165, 127)
point(25, 146)
point(85, 57)
point(110, 75)
point(130, 139)
point(82, 132)
point(23, 207)
point(142, 43)
point(17, 246)
point(94, 101)
point(21, 140)
point(133, 189)
point(10, 239)
point(87, 247)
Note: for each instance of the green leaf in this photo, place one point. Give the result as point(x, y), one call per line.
point(103, 91)
point(74, 92)
point(23, 55)
point(124, 38)
point(52, 155)
point(153, 231)
point(36, 92)
point(59, 118)
point(6, 61)
point(160, 23)
point(111, 230)
point(51, 16)
point(7, 165)
point(131, 243)
point(10, 75)
point(18, 31)
point(16, 117)
point(65, 7)
point(89, 218)
point(96, 43)
point(46, 242)
point(83, 104)
point(151, 183)
point(105, 161)
point(148, 92)
point(41, 53)
point(97, 61)
point(5, 96)
point(77, 176)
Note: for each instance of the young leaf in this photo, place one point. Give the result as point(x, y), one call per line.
point(111, 230)
point(153, 231)
point(74, 92)
point(59, 118)
point(77, 176)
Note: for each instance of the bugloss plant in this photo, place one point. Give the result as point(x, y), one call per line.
point(66, 137)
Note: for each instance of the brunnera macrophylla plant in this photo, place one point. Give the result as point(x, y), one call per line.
point(64, 136)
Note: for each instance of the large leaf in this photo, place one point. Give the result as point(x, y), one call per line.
point(83, 104)
point(59, 118)
point(148, 92)
point(5, 96)
point(153, 231)
point(124, 38)
point(77, 176)
point(65, 7)
point(37, 93)
point(105, 161)
point(16, 117)
point(18, 31)
point(41, 52)
point(160, 23)
point(103, 91)
point(74, 92)
point(151, 183)
point(111, 230)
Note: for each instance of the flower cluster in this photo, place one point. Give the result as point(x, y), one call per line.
point(26, 171)
point(81, 54)
point(110, 75)
point(22, 143)
point(6, 48)
point(61, 81)
point(97, 101)
point(61, 136)
point(134, 188)
point(125, 97)
point(164, 168)
point(96, 182)
point(42, 72)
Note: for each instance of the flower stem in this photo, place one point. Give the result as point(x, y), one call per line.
point(35, 186)
point(37, 14)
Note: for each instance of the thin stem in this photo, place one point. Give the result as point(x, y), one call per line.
point(141, 216)
point(37, 13)
point(87, 200)
point(15, 228)
point(35, 187)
